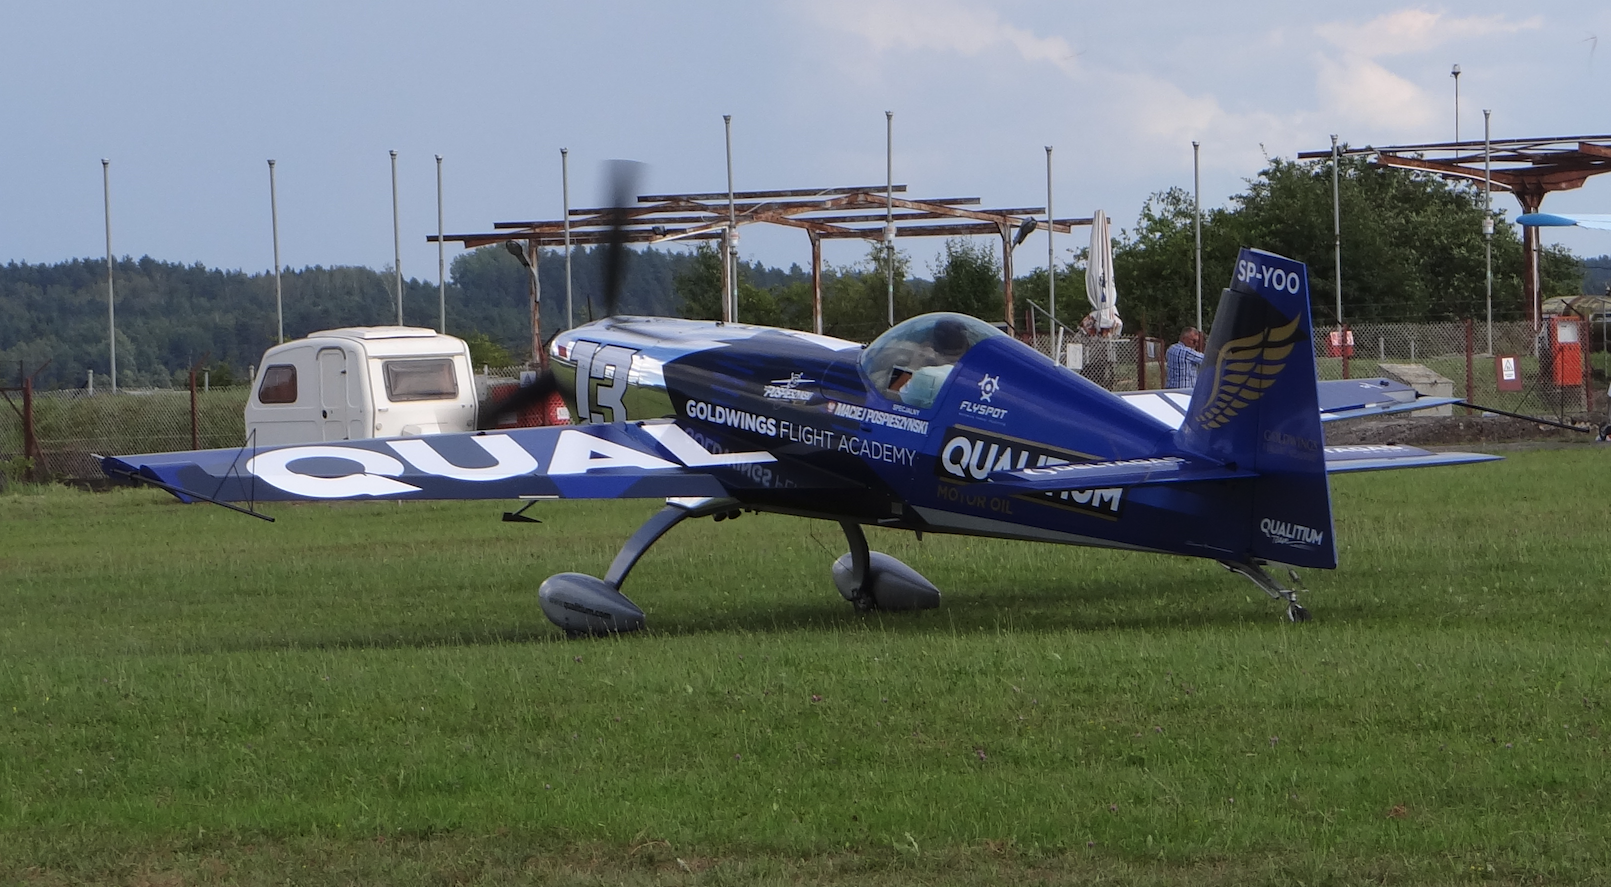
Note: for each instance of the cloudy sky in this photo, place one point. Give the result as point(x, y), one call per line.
point(188, 100)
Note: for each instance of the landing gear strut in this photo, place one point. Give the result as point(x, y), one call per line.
point(1253, 568)
point(586, 605)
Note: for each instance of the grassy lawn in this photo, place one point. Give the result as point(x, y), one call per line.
point(367, 693)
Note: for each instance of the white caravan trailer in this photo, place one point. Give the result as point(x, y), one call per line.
point(359, 382)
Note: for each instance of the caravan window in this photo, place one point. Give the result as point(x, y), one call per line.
point(279, 385)
point(421, 379)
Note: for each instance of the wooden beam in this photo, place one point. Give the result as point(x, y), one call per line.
point(765, 195)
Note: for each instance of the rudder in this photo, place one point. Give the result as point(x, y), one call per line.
point(1257, 405)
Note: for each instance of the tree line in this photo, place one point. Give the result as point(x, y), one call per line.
point(1412, 250)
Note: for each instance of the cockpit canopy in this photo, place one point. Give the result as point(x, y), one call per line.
point(909, 363)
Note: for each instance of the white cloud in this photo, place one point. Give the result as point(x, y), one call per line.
point(1356, 88)
point(1361, 91)
point(1414, 30)
point(942, 27)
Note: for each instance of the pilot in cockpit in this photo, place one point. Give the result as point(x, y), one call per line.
point(910, 362)
point(917, 381)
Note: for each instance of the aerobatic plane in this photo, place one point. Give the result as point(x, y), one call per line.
point(943, 424)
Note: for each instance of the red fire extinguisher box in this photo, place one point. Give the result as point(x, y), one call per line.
point(1566, 351)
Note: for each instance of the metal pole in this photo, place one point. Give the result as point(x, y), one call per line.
point(1051, 254)
point(816, 281)
point(1336, 235)
point(1197, 225)
point(441, 256)
point(565, 196)
point(539, 358)
point(397, 243)
point(889, 207)
point(1488, 221)
point(1455, 73)
point(274, 222)
point(111, 313)
point(731, 241)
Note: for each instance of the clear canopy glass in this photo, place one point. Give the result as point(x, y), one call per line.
point(910, 362)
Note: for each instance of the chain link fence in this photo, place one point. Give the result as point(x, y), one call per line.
point(1508, 366)
point(71, 425)
point(1522, 372)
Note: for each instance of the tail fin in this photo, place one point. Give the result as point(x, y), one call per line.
point(1256, 404)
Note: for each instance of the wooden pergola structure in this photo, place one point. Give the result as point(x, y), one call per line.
point(873, 213)
point(1526, 168)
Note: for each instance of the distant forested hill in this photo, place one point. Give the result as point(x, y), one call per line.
point(170, 315)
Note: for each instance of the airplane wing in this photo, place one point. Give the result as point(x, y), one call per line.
point(1556, 220)
point(1381, 457)
point(648, 460)
point(1339, 399)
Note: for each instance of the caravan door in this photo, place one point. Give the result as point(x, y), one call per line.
point(335, 401)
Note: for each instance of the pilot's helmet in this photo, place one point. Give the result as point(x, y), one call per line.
point(950, 337)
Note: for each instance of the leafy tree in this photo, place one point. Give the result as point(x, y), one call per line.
point(699, 288)
point(485, 352)
point(968, 280)
point(1412, 247)
point(1072, 304)
point(855, 299)
point(699, 285)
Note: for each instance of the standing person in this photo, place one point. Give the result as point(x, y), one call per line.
point(1185, 357)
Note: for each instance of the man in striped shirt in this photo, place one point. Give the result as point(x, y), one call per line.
point(1184, 357)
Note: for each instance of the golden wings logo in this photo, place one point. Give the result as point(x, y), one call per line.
point(1244, 369)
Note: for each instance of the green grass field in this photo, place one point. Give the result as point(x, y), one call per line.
point(368, 693)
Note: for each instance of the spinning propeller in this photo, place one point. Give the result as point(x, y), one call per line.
point(623, 178)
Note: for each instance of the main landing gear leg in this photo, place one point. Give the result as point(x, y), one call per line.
point(1253, 569)
point(850, 573)
point(586, 605)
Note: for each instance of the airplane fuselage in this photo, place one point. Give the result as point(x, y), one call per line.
point(810, 400)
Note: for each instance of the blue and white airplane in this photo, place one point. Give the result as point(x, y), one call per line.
point(943, 424)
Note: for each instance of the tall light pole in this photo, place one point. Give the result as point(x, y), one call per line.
point(730, 261)
point(1336, 236)
point(1051, 259)
point(889, 207)
point(565, 197)
point(1197, 225)
point(1455, 73)
point(1488, 221)
point(111, 313)
point(441, 256)
point(274, 223)
point(397, 243)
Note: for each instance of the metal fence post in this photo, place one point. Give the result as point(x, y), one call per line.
point(195, 428)
point(1588, 395)
point(1469, 347)
point(30, 441)
point(1141, 360)
point(1346, 349)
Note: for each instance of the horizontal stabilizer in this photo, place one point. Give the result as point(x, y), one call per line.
point(1384, 457)
point(1339, 399)
point(1123, 473)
